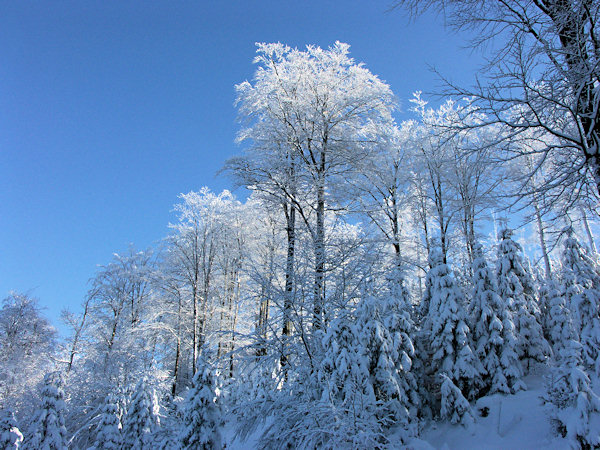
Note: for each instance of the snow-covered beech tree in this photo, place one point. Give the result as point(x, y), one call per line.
point(310, 110)
point(49, 424)
point(10, 435)
point(516, 288)
point(202, 418)
point(141, 420)
point(108, 436)
point(492, 328)
point(581, 278)
point(445, 331)
point(203, 257)
point(27, 345)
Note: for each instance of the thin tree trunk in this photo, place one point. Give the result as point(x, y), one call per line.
point(541, 234)
point(290, 212)
point(588, 231)
point(319, 258)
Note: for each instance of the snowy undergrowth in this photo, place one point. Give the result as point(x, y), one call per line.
point(518, 421)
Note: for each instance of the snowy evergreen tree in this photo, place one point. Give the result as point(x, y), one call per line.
point(10, 435)
point(493, 331)
point(548, 289)
point(581, 278)
point(569, 390)
point(141, 419)
point(454, 406)
point(446, 330)
point(388, 359)
point(202, 415)
point(560, 323)
point(344, 370)
point(50, 432)
point(397, 319)
point(518, 292)
point(109, 427)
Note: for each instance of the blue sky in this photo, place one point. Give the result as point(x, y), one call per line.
point(110, 109)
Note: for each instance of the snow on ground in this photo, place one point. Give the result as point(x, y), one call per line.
point(513, 422)
point(518, 421)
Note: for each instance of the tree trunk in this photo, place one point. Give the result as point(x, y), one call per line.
point(541, 234)
point(588, 231)
point(319, 248)
point(290, 213)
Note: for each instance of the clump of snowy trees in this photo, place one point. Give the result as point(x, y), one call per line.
point(354, 295)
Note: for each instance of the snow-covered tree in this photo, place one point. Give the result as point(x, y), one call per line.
point(454, 406)
point(446, 330)
point(516, 288)
point(581, 278)
point(560, 321)
point(309, 112)
point(492, 331)
point(348, 403)
point(10, 435)
point(141, 419)
point(202, 415)
point(27, 344)
point(569, 389)
point(388, 356)
point(49, 425)
point(109, 426)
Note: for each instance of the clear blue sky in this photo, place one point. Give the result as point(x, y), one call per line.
point(110, 109)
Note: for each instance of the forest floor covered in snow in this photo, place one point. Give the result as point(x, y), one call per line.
point(518, 421)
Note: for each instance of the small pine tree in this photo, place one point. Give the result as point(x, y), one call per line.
point(10, 436)
point(50, 432)
point(560, 324)
point(388, 359)
point(141, 419)
point(569, 390)
point(493, 337)
point(581, 278)
point(348, 404)
point(516, 287)
point(446, 330)
point(455, 406)
point(202, 415)
point(109, 427)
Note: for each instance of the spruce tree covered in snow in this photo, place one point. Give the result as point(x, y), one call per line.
point(348, 405)
point(518, 292)
point(454, 406)
point(492, 331)
point(581, 278)
point(397, 319)
point(548, 289)
point(50, 432)
point(109, 427)
point(344, 370)
point(569, 390)
point(202, 415)
point(141, 419)
point(10, 435)
point(446, 329)
point(560, 323)
point(388, 360)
